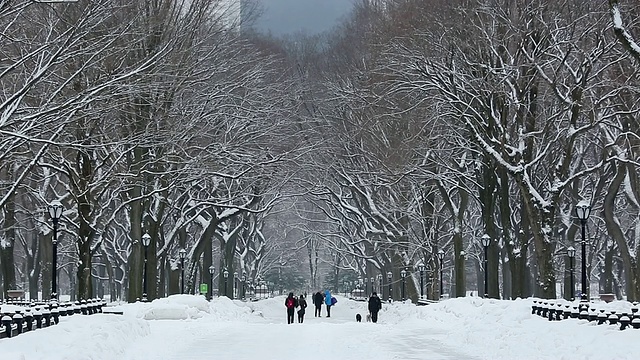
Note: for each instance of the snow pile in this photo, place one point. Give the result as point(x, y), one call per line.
point(224, 309)
point(176, 307)
point(94, 337)
point(500, 329)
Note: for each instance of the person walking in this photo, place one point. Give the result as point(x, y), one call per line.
point(290, 304)
point(374, 306)
point(327, 301)
point(303, 305)
point(318, 299)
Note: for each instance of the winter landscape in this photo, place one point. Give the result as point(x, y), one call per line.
point(188, 327)
point(472, 155)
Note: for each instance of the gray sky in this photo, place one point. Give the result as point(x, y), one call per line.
point(311, 16)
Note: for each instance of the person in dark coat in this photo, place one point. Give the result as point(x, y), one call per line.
point(290, 304)
point(303, 305)
point(318, 300)
point(374, 306)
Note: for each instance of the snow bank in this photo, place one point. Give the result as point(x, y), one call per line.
point(87, 337)
point(174, 307)
point(500, 329)
point(184, 307)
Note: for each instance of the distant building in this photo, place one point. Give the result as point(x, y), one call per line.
point(234, 13)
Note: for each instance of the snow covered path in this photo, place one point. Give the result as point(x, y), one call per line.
point(189, 327)
point(267, 336)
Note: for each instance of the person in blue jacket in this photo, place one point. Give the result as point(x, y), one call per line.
point(327, 301)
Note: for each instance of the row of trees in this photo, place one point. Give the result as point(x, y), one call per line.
point(140, 117)
point(416, 126)
point(446, 121)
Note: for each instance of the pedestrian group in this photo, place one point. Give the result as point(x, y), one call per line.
point(318, 299)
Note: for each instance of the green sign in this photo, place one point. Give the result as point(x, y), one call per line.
point(204, 289)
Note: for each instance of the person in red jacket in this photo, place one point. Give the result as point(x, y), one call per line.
point(290, 303)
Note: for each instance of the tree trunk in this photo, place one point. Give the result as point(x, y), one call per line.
point(506, 277)
point(479, 277)
point(566, 293)
point(227, 253)
point(135, 260)
point(487, 196)
point(72, 283)
point(207, 261)
point(85, 283)
point(85, 231)
point(33, 265)
point(607, 276)
point(459, 269)
point(153, 224)
point(630, 261)
point(458, 242)
point(540, 220)
point(7, 264)
point(173, 282)
point(45, 258)
point(515, 242)
point(162, 277)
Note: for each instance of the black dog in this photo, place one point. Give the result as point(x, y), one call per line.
point(358, 318)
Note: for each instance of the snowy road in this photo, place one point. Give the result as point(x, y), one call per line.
point(267, 336)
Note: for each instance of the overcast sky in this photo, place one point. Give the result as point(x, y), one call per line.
point(311, 16)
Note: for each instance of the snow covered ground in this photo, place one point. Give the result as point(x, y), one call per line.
point(188, 327)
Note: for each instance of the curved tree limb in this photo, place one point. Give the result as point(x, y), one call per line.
point(622, 34)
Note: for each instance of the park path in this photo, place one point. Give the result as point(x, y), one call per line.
point(269, 337)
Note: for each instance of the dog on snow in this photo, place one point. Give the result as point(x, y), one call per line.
point(358, 318)
point(368, 317)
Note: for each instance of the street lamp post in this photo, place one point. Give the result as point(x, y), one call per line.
point(486, 241)
point(225, 273)
point(421, 269)
point(55, 212)
point(441, 261)
point(403, 274)
point(373, 288)
point(389, 278)
point(146, 240)
point(183, 254)
point(234, 293)
point(212, 270)
point(571, 252)
point(243, 279)
point(583, 210)
point(380, 284)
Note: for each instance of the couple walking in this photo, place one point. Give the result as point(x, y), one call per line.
point(319, 299)
point(291, 303)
